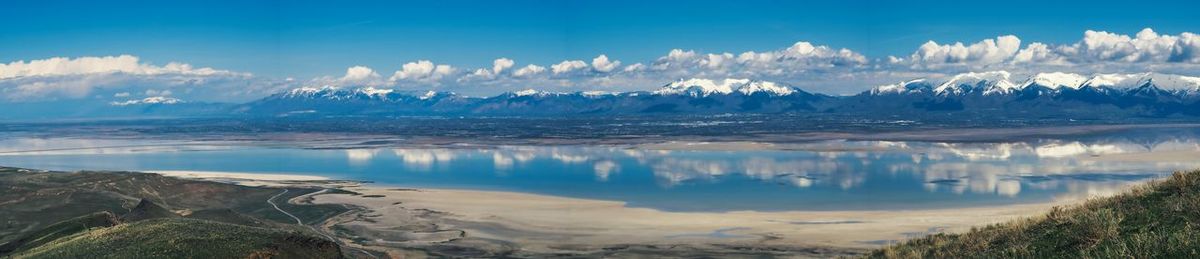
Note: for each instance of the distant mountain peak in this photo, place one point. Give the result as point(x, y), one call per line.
point(309, 91)
point(904, 87)
point(597, 93)
point(427, 95)
point(991, 82)
point(149, 100)
point(1056, 80)
point(526, 92)
point(372, 91)
point(700, 87)
point(1167, 82)
point(771, 88)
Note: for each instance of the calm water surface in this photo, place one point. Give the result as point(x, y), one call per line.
point(831, 175)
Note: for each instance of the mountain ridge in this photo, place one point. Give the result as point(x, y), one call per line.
point(1041, 95)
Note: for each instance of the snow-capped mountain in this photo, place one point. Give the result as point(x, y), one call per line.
point(682, 96)
point(149, 100)
point(985, 83)
point(979, 95)
point(698, 87)
point(1041, 94)
point(1055, 80)
point(1132, 81)
point(1048, 94)
point(916, 86)
point(999, 82)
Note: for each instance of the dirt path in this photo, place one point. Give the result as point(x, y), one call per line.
point(300, 222)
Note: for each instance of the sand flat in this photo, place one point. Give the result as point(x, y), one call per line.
point(526, 218)
point(393, 217)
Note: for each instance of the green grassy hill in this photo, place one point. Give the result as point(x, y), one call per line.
point(34, 199)
point(184, 238)
point(1158, 220)
point(75, 215)
point(61, 229)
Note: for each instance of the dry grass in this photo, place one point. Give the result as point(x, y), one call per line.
point(1160, 219)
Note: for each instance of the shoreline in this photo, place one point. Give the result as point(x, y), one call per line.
point(393, 219)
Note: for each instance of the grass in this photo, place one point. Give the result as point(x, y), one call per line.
point(34, 200)
point(1160, 219)
point(135, 215)
point(61, 229)
point(185, 238)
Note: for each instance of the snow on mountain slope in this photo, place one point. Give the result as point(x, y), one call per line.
point(998, 82)
point(770, 88)
point(594, 94)
point(1055, 80)
point(149, 100)
point(526, 92)
point(904, 87)
point(1131, 81)
point(427, 95)
point(373, 92)
point(532, 92)
point(698, 87)
point(310, 92)
point(992, 82)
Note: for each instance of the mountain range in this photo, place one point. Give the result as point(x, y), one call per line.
point(995, 93)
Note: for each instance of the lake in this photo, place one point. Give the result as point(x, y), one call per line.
point(822, 175)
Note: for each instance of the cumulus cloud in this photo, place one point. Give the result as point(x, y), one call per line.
point(800, 57)
point(422, 71)
point(500, 64)
point(1146, 46)
point(1097, 50)
point(635, 67)
point(603, 65)
point(125, 64)
point(567, 66)
point(986, 52)
point(361, 75)
point(529, 70)
point(109, 76)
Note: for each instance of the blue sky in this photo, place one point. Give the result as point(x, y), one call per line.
point(309, 39)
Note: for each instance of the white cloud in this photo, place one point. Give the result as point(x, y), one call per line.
point(360, 75)
point(356, 73)
point(635, 67)
point(1146, 46)
point(127, 64)
point(1097, 51)
point(75, 78)
point(500, 64)
point(985, 52)
point(422, 71)
point(716, 61)
point(567, 66)
point(529, 70)
point(603, 65)
point(1038, 53)
point(801, 57)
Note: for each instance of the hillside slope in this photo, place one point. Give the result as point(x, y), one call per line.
point(1157, 220)
point(185, 238)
